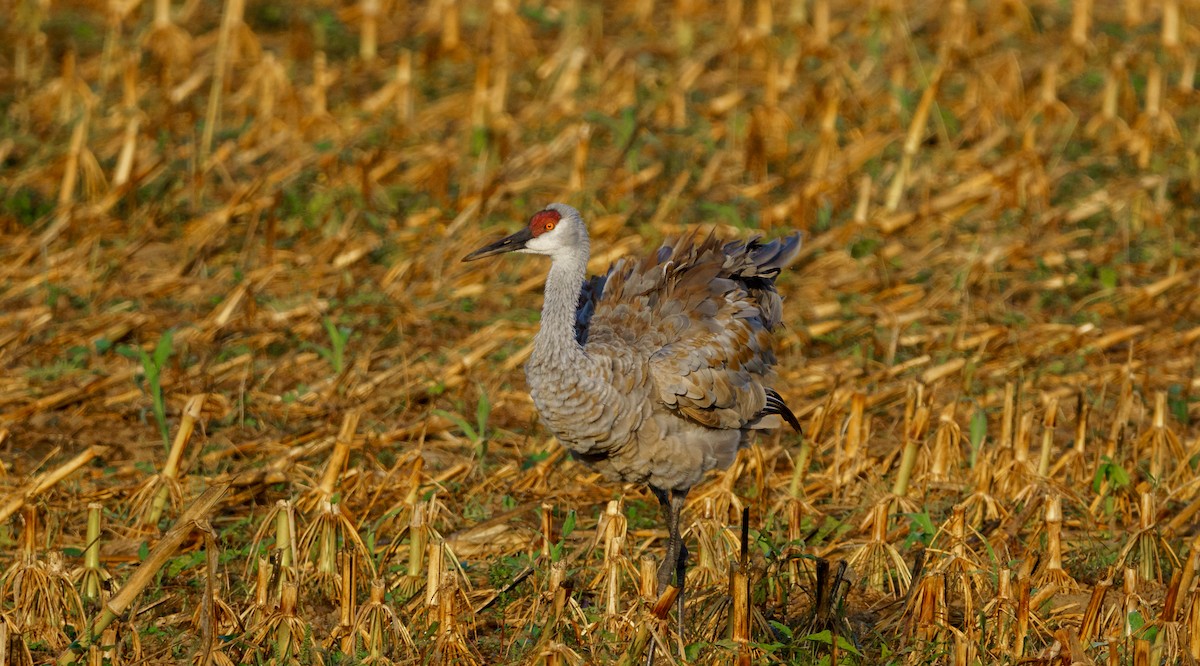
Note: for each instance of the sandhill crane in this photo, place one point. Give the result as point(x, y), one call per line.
point(658, 371)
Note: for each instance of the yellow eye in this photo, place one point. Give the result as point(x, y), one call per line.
point(549, 226)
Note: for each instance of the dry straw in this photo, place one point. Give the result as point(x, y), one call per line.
point(990, 335)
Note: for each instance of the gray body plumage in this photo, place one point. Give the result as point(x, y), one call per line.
point(659, 371)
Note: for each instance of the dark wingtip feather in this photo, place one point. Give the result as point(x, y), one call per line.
point(773, 257)
point(776, 405)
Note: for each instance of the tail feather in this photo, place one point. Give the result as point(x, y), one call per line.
point(776, 405)
point(771, 258)
point(756, 265)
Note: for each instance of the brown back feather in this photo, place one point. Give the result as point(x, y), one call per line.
point(701, 313)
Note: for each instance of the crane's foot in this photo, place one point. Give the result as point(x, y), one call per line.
point(659, 613)
point(674, 564)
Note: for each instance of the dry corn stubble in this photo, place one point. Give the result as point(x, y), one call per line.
point(992, 335)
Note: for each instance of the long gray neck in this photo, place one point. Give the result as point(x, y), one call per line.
point(555, 342)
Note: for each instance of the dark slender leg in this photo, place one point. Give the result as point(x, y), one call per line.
point(680, 574)
point(664, 499)
point(675, 560)
point(674, 513)
point(671, 556)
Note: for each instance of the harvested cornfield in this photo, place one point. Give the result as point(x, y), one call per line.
point(253, 409)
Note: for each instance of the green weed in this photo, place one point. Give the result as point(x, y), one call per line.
point(152, 367)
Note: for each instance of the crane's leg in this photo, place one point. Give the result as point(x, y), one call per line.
point(675, 561)
point(681, 551)
point(670, 561)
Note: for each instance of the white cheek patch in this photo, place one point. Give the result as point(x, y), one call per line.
point(539, 243)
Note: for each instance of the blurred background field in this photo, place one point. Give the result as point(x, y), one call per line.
point(229, 262)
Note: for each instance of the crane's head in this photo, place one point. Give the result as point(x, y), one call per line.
point(556, 230)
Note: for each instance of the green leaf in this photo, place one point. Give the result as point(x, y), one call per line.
point(479, 140)
point(864, 246)
point(182, 563)
point(162, 351)
point(133, 353)
point(693, 651)
point(977, 430)
point(1108, 277)
point(460, 422)
point(336, 354)
point(768, 648)
point(1136, 621)
point(923, 521)
point(568, 524)
point(1115, 473)
point(782, 628)
point(482, 411)
point(826, 637)
point(143, 551)
point(1178, 404)
point(922, 528)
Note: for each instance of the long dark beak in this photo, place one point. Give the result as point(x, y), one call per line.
point(509, 244)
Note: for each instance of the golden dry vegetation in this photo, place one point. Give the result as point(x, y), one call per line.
point(254, 410)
